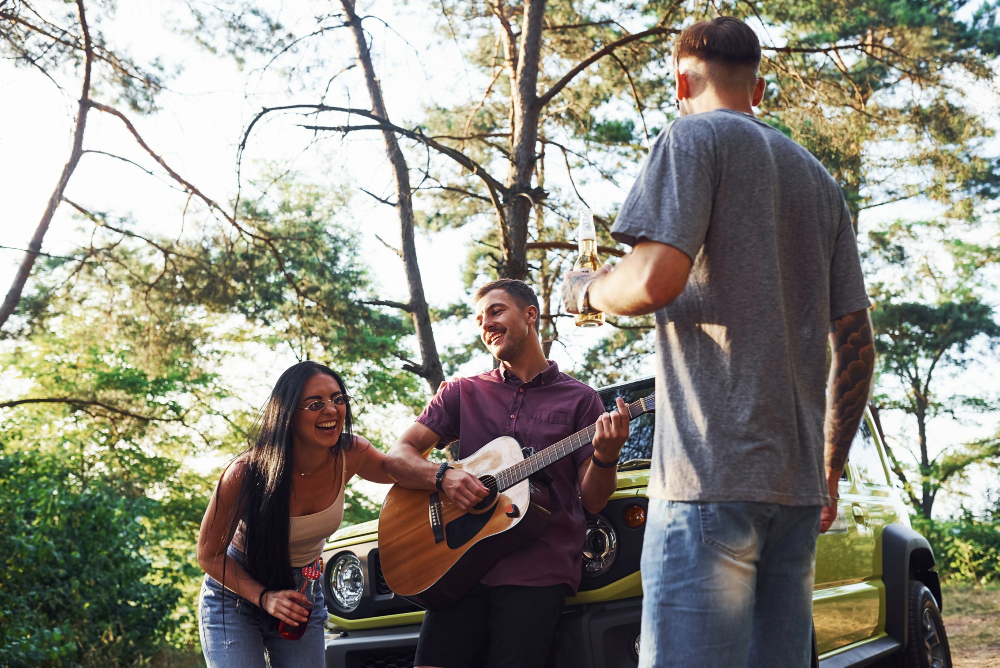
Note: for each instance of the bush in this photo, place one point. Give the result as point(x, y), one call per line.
point(77, 589)
point(966, 547)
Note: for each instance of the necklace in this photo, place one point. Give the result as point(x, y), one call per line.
point(313, 471)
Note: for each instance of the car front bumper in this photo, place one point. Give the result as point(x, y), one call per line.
point(375, 648)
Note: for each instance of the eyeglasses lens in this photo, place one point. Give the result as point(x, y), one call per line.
point(338, 400)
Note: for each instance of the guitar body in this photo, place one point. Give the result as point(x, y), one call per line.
point(432, 552)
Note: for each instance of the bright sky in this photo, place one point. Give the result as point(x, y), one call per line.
point(203, 116)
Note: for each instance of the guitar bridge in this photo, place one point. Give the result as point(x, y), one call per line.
point(436, 517)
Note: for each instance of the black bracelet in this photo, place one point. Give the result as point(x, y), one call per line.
point(439, 478)
point(600, 464)
point(260, 597)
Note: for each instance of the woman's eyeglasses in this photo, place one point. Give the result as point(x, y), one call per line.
point(320, 404)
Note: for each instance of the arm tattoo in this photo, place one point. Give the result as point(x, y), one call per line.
point(850, 384)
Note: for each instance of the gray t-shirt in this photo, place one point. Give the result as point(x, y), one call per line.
point(742, 354)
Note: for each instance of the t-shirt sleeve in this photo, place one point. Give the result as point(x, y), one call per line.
point(671, 200)
point(442, 414)
point(592, 409)
point(847, 283)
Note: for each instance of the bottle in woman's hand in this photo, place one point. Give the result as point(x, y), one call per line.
point(310, 585)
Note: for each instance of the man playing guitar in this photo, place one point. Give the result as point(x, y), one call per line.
point(509, 618)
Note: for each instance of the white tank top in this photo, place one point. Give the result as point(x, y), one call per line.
point(308, 533)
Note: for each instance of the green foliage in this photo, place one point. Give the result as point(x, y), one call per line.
point(933, 321)
point(47, 36)
point(619, 356)
point(613, 132)
point(123, 373)
point(358, 508)
point(79, 586)
point(966, 547)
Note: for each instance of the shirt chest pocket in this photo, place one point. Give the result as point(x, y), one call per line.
point(547, 427)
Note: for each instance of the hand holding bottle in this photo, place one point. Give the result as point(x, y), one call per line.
point(586, 263)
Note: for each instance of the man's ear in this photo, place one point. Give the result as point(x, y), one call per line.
point(683, 85)
point(533, 317)
point(758, 92)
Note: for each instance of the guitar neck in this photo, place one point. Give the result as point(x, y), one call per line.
point(512, 475)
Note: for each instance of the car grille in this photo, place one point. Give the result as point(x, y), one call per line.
point(388, 658)
point(381, 588)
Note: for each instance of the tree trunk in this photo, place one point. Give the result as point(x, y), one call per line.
point(524, 139)
point(546, 320)
point(926, 498)
point(21, 278)
point(430, 367)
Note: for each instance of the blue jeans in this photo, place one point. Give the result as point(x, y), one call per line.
point(248, 637)
point(727, 585)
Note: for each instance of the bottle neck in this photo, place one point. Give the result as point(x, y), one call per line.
point(588, 246)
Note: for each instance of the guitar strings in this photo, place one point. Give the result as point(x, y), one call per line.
point(512, 475)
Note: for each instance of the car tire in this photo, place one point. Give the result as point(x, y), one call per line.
point(927, 644)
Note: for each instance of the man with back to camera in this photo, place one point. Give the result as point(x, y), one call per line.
point(509, 618)
point(743, 247)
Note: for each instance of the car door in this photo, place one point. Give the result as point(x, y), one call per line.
point(847, 586)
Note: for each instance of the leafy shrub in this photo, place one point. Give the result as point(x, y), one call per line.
point(77, 589)
point(966, 547)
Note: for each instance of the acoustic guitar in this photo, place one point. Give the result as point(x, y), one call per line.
point(432, 552)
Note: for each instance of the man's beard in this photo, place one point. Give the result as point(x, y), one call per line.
point(512, 348)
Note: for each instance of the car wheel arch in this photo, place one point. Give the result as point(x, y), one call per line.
point(906, 556)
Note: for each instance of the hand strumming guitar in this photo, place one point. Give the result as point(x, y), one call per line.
point(463, 488)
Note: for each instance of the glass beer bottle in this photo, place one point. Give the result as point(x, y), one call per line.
point(588, 262)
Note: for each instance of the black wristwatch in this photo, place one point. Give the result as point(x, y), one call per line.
point(439, 478)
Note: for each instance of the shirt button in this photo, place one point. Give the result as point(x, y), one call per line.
point(511, 417)
point(520, 389)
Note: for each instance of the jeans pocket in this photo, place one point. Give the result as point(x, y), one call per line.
point(730, 528)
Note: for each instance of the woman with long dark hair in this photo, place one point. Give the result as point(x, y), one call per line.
point(271, 513)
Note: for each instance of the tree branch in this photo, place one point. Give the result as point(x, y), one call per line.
point(211, 203)
point(391, 304)
point(383, 124)
point(380, 199)
point(80, 403)
point(568, 245)
point(21, 278)
point(392, 248)
point(635, 96)
point(597, 55)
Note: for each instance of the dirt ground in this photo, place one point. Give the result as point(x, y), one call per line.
point(972, 620)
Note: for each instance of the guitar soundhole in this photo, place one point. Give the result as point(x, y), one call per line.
point(491, 496)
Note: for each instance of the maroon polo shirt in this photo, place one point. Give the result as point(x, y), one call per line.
point(538, 413)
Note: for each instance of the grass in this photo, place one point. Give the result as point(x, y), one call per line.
point(972, 615)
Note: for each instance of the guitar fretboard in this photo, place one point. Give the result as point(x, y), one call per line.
point(512, 475)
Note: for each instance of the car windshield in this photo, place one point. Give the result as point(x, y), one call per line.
point(638, 449)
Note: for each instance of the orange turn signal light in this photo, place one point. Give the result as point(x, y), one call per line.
point(635, 516)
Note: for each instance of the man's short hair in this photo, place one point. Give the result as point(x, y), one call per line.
point(519, 290)
point(726, 44)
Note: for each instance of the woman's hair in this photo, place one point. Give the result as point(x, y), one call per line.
point(264, 497)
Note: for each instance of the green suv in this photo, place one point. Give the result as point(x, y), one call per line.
point(877, 598)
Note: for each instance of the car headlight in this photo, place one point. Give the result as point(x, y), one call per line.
point(347, 580)
point(600, 547)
